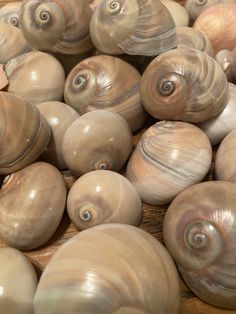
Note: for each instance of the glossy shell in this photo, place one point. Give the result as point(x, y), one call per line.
point(112, 268)
point(18, 282)
point(24, 133)
point(199, 232)
point(31, 222)
point(37, 76)
point(57, 25)
point(98, 140)
point(9, 13)
point(226, 59)
point(177, 11)
point(169, 157)
point(59, 116)
point(184, 84)
point(117, 27)
point(103, 196)
point(109, 83)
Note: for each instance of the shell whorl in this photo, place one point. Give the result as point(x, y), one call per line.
point(9, 13)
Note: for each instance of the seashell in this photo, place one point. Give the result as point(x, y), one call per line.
point(12, 43)
point(16, 271)
point(5, 2)
point(177, 11)
point(169, 157)
point(184, 84)
point(225, 59)
point(109, 83)
point(24, 133)
point(111, 268)
point(234, 63)
point(117, 27)
point(57, 25)
point(94, 4)
point(217, 128)
point(199, 232)
point(37, 76)
point(9, 13)
point(3, 78)
point(218, 23)
point(103, 196)
point(98, 140)
point(31, 222)
point(59, 116)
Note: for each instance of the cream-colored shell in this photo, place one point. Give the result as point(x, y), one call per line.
point(177, 11)
point(9, 13)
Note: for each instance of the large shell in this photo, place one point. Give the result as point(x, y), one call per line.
point(106, 82)
point(169, 157)
point(226, 59)
point(9, 13)
point(199, 232)
point(24, 133)
point(112, 268)
point(18, 282)
point(32, 202)
point(57, 25)
point(98, 140)
point(103, 196)
point(184, 84)
point(177, 11)
point(117, 27)
point(37, 76)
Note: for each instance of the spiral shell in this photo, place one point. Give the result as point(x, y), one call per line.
point(199, 232)
point(31, 222)
point(177, 11)
point(226, 59)
point(106, 82)
point(57, 25)
point(103, 196)
point(112, 268)
point(117, 27)
point(184, 84)
point(9, 13)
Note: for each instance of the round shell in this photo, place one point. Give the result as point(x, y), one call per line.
point(226, 59)
point(9, 13)
point(177, 11)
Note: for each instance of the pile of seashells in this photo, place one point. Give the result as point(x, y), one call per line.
point(120, 66)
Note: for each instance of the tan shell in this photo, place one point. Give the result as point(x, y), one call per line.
point(117, 27)
point(103, 196)
point(226, 59)
point(98, 140)
point(18, 282)
point(112, 268)
point(31, 222)
point(5, 2)
point(109, 83)
point(9, 13)
point(24, 133)
point(94, 4)
point(177, 11)
point(184, 84)
point(199, 232)
point(169, 157)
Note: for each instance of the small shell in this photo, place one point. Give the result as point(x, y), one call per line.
point(184, 84)
point(18, 282)
point(226, 59)
point(109, 83)
point(59, 116)
point(177, 11)
point(98, 140)
point(31, 222)
point(135, 27)
point(103, 196)
point(9, 13)
point(111, 268)
point(169, 157)
point(37, 76)
point(199, 232)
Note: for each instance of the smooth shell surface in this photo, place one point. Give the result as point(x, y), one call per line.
point(117, 27)
point(18, 282)
point(199, 232)
point(226, 59)
point(32, 202)
point(169, 157)
point(109, 83)
point(24, 133)
point(94, 4)
point(59, 116)
point(9, 13)
point(103, 196)
point(184, 84)
point(98, 140)
point(177, 11)
point(37, 76)
point(112, 268)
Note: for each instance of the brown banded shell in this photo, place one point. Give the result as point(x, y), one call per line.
point(109, 83)
point(24, 133)
point(169, 157)
point(177, 11)
point(184, 84)
point(199, 232)
point(111, 268)
point(31, 222)
point(226, 59)
point(98, 140)
point(117, 27)
point(57, 25)
point(103, 196)
point(9, 13)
